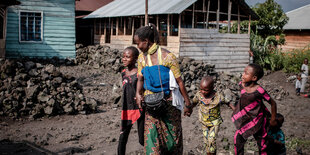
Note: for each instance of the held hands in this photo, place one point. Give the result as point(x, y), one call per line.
point(188, 109)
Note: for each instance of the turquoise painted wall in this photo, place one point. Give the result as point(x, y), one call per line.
point(58, 30)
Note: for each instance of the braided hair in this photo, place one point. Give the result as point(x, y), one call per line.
point(148, 32)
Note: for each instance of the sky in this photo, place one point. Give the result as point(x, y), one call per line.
point(287, 5)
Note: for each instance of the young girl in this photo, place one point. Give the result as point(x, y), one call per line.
point(209, 113)
point(130, 112)
point(250, 114)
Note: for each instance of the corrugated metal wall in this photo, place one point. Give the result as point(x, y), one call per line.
point(58, 29)
point(229, 52)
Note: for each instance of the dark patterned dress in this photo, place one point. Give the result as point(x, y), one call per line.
point(250, 118)
point(130, 112)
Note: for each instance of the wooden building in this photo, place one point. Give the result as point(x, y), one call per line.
point(297, 30)
point(3, 23)
point(44, 29)
point(85, 27)
point(186, 28)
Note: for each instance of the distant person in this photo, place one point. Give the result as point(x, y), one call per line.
point(156, 68)
point(250, 113)
point(130, 110)
point(304, 76)
point(277, 142)
point(209, 113)
point(298, 85)
point(251, 56)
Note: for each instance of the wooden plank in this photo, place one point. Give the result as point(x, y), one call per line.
point(228, 66)
point(206, 36)
point(184, 41)
point(229, 15)
point(39, 46)
point(174, 39)
point(218, 15)
point(208, 9)
point(238, 31)
point(206, 58)
point(60, 10)
point(212, 53)
point(198, 31)
point(249, 27)
point(193, 16)
point(168, 25)
point(215, 44)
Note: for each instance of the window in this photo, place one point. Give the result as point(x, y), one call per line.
point(30, 26)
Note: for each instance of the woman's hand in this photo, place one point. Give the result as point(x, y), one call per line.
point(188, 111)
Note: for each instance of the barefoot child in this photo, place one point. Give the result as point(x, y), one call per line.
point(298, 85)
point(277, 146)
point(209, 113)
point(130, 112)
point(250, 114)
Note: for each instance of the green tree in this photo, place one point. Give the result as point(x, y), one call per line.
point(272, 18)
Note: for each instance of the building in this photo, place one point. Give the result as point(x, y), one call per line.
point(42, 29)
point(185, 28)
point(297, 30)
point(3, 23)
point(85, 27)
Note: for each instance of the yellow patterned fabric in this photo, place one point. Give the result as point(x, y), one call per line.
point(209, 111)
point(209, 138)
point(152, 49)
point(169, 61)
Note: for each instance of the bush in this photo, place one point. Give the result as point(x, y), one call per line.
point(293, 60)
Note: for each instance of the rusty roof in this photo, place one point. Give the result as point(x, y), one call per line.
point(90, 5)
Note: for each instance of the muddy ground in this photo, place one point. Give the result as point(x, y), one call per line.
point(98, 133)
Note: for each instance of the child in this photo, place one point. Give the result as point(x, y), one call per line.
point(298, 85)
point(250, 113)
point(209, 112)
point(277, 146)
point(130, 111)
point(304, 76)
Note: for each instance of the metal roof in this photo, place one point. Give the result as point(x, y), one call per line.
point(90, 5)
point(119, 8)
point(298, 19)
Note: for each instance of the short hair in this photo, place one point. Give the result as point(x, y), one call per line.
point(279, 116)
point(207, 79)
point(134, 51)
point(258, 70)
point(148, 32)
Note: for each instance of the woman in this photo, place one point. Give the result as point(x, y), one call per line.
point(162, 134)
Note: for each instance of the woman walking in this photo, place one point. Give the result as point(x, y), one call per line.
point(157, 71)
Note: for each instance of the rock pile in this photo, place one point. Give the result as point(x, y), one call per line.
point(192, 72)
point(99, 57)
point(36, 89)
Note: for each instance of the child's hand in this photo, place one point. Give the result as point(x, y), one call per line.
point(188, 111)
